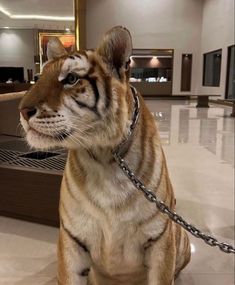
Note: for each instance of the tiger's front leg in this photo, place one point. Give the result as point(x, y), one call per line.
point(73, 260)
point(168, 256)
point(161, 258)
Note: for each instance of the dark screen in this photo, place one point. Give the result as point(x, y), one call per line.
point(15, 73)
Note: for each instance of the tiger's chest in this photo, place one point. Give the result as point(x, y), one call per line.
point(117, 250)
point(105, 215)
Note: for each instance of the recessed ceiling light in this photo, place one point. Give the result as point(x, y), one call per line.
point(4, 11)
point(35, 17)
point(6, 27)
point(40, 17)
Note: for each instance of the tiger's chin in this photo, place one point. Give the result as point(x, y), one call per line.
point(41, 141)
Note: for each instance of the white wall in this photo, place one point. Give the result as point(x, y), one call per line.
point(217, 33)
point(153, 24)
point(17, 49)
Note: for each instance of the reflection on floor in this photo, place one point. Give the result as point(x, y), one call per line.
point(199, 146)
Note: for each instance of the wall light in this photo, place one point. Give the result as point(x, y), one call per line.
point(67, 29)
point(6, 28)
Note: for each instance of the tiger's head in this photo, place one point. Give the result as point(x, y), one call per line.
point(81, 99)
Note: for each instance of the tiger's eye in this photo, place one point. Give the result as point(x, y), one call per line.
point(72, 78)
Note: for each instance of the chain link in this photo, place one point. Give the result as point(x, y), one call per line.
point(151, 197)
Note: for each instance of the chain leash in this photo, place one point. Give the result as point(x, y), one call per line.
point(151, 197)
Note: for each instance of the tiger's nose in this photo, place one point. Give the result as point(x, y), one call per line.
point(27, 113)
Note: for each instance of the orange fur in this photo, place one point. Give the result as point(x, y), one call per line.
point(107, 227)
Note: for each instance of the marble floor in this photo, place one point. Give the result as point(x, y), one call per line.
point(199, 146)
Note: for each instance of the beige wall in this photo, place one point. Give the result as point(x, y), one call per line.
point(17, 49)
point(187, 26)
point(217, 33)
point(153, 24)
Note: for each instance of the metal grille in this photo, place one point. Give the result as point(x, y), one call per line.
point(49, 164)
point(8, 155)
point(14, 158)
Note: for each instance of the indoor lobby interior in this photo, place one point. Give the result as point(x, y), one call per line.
point(183, 65)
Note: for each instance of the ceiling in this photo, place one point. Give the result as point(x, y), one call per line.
point(42, 14)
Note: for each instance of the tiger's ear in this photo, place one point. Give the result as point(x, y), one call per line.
point(55, 49)
point(115, 49)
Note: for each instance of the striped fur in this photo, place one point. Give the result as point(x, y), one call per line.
point(109, 233)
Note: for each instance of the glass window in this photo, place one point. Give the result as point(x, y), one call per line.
point(212, 67)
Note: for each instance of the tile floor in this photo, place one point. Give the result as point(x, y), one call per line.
point(199, 146)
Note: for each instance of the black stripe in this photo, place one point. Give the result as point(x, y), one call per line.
point(108, 92)
point(92, 155)
point(92, 81)
point(118, 72)
point(68, 188)
point(84, 105)
point(107, 86)
point(85, 272)
point(78, 242)
point(150, 241)
point(70, 109)
point(78, 55)
point(94, 109)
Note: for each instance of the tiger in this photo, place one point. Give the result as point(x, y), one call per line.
point(109, 233)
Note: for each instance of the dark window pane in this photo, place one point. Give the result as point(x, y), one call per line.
point(212, 66)
point(186, 71)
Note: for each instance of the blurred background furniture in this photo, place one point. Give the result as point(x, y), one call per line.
point(30, 179)
point(9, 115)
point(13, 87)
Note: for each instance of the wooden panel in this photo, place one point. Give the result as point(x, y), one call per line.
point(32, 196)
point(186, 72)
point(153, 88)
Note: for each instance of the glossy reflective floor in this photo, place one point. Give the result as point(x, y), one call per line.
point(199, 146)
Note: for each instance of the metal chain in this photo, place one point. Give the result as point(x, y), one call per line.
point(151, 197)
